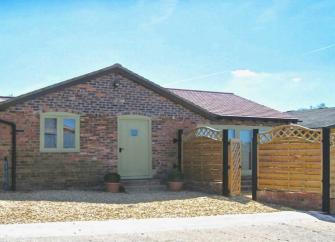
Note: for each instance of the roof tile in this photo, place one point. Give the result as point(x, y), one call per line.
point(229, 104)
point(315, 118)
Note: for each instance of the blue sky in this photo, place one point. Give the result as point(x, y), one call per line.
point(279, 53)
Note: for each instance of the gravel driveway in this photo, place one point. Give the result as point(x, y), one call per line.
point(54, 206)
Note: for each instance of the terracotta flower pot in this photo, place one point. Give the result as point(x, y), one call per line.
point(175, 186)
point(112, 186)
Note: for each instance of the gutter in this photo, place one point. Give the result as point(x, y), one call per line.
point(13, 127)
point(293, 120)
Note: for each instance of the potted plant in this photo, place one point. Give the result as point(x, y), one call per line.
point(112, 181)
point(175, 180)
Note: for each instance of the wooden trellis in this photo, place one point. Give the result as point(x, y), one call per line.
point(287, 132)
point(202, 155)
point(332, 138)
point(290, 159)
point(206, 132)
point(234, 183)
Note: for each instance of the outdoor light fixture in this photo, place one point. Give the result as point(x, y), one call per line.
point(116, 83)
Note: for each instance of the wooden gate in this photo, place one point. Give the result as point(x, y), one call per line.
point(203, 161)
point(234, 173)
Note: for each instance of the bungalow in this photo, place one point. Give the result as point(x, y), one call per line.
point(71, 133)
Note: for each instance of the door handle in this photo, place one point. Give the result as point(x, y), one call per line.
point(120, 149)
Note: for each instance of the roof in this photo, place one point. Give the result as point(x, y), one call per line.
point(117, 69)
point(315, 118)
point(229, 105)
point(212, 105)
point(4, 98)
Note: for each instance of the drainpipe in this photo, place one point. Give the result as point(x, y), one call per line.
point(13, 127)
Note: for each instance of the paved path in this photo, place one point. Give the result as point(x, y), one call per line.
point(283, 226)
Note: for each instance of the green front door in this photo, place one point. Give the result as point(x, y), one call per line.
point(134, 147)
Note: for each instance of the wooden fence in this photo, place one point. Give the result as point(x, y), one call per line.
point(202, 161)
point(290, 167)
point(332, 164)
point(290, 159)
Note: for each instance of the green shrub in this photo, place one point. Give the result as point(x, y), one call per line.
point(112, 177)
point(175, 175)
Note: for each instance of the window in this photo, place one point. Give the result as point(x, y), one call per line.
point(50, 133)
point(59, 132)
point(231, 134)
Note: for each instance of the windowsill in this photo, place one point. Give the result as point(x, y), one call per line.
point(59, 151)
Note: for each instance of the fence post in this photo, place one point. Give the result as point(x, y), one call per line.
point(254, 164)
point(325, 169)
point(180, 140)
point(225, 191)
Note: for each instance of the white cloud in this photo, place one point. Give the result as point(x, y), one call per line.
point(243, 73)
point(272, 13)
point(167, 8)
point(320, 49)
point(296, 79)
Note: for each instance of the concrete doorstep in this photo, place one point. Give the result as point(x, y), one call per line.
point(141, 226)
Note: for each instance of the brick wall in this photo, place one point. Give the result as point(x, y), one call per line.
point(98, 103)
point(298, 200)
point(5, 149)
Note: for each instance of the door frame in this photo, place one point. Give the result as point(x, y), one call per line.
point(136, 117)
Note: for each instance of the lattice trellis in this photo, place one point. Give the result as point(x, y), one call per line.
point(290, 131)
point(205, 132)
point(332, 139)
point(234, 167)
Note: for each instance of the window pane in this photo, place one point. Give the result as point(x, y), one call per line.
point(69, 130)
point(50, 133)
point(231, 134)
point(246, 142)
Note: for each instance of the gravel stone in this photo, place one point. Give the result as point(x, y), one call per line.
point(56, 206)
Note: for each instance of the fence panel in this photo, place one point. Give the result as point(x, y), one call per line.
point(202, 160)
point(290, 159)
